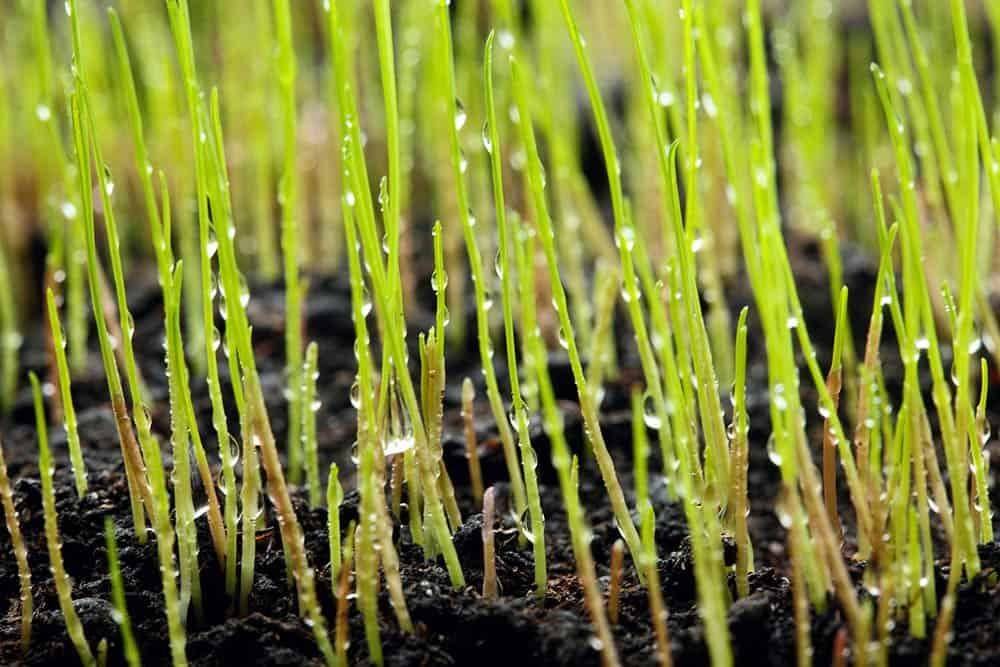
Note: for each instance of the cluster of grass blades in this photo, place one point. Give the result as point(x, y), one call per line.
point(358, 131)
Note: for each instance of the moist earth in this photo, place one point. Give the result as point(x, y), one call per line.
point(452, 627)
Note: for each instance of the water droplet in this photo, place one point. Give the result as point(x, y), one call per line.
point(460, 115)
point(784, 518)
point(563, 340)
point(665, 98)
point(708, 103)
point(626, 238)
point(650, 416)
point(383, 193)
point(487, 139)
point(439, 280)
point(772, 453)
point(43, 112)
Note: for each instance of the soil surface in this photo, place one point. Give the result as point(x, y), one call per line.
point(453, 627)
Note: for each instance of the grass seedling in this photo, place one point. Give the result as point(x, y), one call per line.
point(917, 316)
point(911, 457)
point(615, 581)
point(471, 441)
point(342, 630)
point(69, 412)
point(535, 357)
point(251, 485)
point(809, 74)
point(310, 405)
point(150, 449)
point(367, 585)
point(587, 399)
point(358, 195)
point(212, 177)
point(505, 269)
point(20, 551)
point(183, 408)
point(800, 596)
point(376, 520)
point(834, 383)
point(257, 420)
point(489, 545)
point(334, 497)
point(64, 264)
point(223, 527)
point(707, 556)
point(739, 467)
point(394, 184)
point(187, 535)
point(161, 242)
point(432, 396)
point(648, 561)
point(288, 199)
point(207, 248)
point(139, 493)
point(121, 617)
point(968, 236)
point(375, 514)
point(151, 494)
point(683, 241)
point(433, 363)
point(480, 288)
point(64, 587)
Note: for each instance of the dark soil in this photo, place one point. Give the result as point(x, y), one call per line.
point(454, 627)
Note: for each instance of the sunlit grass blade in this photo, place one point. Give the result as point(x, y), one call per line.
point(64, 587)
point(20, 550)
point(288, 194)
point(69, 412)
point(479, 277)
point(535, 356)
point(310, 405)
point(505, 268)
point(586, 397)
